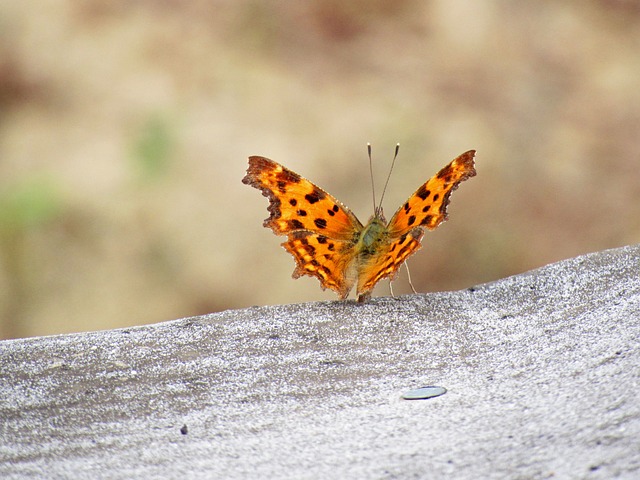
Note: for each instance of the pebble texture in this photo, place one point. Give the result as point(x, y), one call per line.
point(542, 372)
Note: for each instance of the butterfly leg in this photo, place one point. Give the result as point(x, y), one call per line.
point(406, 264)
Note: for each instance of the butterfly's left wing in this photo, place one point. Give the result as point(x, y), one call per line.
point(321, 231)
point(297, 204)
point(329, 260)
point(426, 208)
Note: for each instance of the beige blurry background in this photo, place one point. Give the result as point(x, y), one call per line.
point(125, 128)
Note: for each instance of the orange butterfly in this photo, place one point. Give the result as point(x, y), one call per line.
point(329, 242)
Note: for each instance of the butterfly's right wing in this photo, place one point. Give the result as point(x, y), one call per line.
point(322, 232)
point(426, 208)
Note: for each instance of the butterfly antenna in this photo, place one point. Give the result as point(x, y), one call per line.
point(373, 187)
point(379, 208)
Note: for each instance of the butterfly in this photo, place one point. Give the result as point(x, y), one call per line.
point(328, 241)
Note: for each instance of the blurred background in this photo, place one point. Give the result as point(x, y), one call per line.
point(125, 129)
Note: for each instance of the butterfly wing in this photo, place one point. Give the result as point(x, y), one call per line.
point(329, 260)
point(426, 208)
point(387, 261)
point(321, 231)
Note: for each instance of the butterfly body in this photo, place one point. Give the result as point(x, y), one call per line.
point(328, 241)
point(373, 235)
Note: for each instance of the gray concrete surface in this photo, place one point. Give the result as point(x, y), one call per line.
point(542, 371)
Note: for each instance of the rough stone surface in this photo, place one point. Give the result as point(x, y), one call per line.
point(542, 371)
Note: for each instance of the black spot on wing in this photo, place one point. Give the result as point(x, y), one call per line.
point(423, 193)
point(320, 222)
point(426, 220)
point(315, 196)
point(403, 251)
point(445, 172)
point(287, 176)
point(295, 224)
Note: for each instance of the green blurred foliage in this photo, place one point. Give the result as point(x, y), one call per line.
point(28, 205)
point(26, 208)
point(153, 148)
